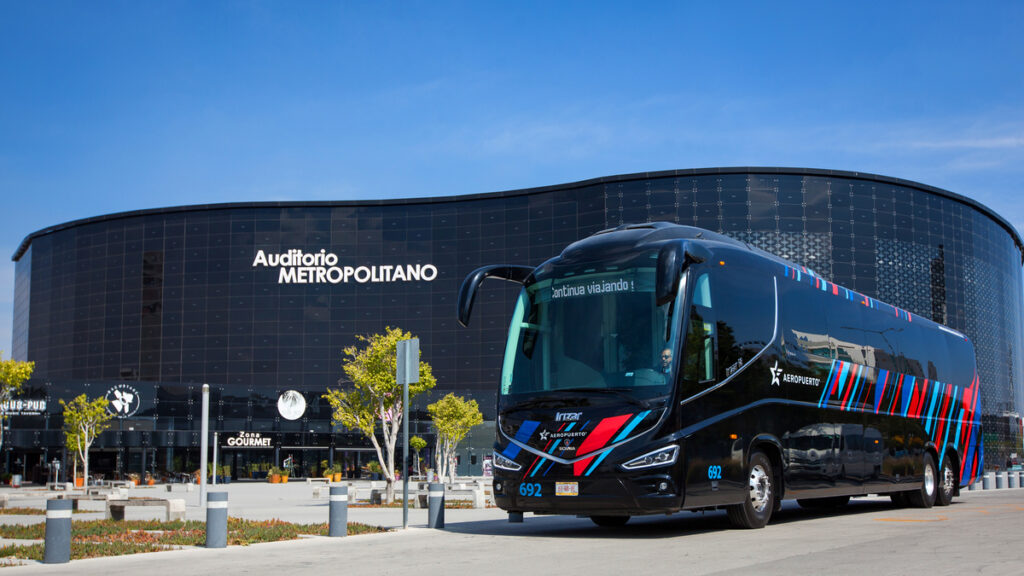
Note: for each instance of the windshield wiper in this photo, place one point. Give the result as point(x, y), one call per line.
point(545, 402)
point(620, 392)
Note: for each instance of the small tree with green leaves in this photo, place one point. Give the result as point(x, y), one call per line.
point(13, 374)
point(453, 418)
point(374, 396)
point(417, 444)
point(84, 421)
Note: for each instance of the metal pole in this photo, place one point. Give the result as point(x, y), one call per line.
point(203, 441)
point(407, 370)
point(405, 453)
point(214, 458)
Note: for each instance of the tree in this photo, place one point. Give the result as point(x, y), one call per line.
point(417, 444)
point(374, 396)
point(13, 374)
point(84, 420)
point(453, 417)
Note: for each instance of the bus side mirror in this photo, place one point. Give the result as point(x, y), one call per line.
point(672, 259)
point(670, 267)
point(467, 292)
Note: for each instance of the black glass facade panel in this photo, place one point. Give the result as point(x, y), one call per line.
point(166, 300)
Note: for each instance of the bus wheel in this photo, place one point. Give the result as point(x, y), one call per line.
point(755, 511)
point(947, 484)
point(609, 521)
point(925, 497)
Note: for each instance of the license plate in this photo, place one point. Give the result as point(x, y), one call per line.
point(567, 488)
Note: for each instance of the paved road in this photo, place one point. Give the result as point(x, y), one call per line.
point(981, 533)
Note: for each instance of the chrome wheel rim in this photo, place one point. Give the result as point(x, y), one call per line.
point(929, 479)
point(948, 481)
point(760, 488)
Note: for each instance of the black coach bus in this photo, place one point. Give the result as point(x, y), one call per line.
point(655, 368)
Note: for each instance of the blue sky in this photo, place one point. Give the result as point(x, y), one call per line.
point(114, 106)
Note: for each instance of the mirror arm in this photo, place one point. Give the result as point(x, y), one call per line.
point(467, 292)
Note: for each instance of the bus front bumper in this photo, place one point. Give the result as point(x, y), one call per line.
point(619, 495)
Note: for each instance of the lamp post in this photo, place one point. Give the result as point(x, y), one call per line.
point(203, 443)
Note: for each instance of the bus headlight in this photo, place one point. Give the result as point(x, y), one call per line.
point(661, 457)
point(504, 463)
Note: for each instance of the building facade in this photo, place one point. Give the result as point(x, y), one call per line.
point(259, 299)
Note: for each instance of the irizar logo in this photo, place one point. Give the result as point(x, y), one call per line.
point(776, 372)
point(568, 416)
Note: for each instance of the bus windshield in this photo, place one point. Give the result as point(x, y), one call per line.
point(591, 329)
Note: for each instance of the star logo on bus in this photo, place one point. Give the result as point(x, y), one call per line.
point(544, 435)
point(776, 372)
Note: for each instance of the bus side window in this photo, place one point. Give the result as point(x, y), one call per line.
point(699, 347)
point(804, 330)
point(744, 313)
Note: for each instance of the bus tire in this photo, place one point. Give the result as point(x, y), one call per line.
point(609, 521)
point(925, 496)
point(946, 488)
point(757, 507)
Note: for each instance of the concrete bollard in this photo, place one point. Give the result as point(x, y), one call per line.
point(338, 511)
point(57, 548)
point(987, 481)
point(176, 509)
point(479, 496)
point(216, 519)
point(1000, 480)
point(435, 503)
point(1011, 480)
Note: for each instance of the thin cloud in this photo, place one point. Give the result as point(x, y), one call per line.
point(972, 143)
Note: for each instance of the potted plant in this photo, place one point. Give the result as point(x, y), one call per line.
point(274, 475)
point(375, 470)
point(336, 471)
point(326, 469)
point(149, 479)
point(134, 478)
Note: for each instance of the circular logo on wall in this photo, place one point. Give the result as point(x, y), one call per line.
point(123, 401)
point(291, 405)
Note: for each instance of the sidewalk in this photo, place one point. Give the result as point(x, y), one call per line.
point(292, 502)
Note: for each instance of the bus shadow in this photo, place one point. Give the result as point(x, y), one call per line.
point(654, 527)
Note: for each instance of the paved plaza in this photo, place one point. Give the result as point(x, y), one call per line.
point(980, 533)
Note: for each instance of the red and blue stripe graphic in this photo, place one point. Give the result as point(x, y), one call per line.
point(587, 466)
point(944, 409)
point(606, 432)
point(802, 274)
point(526, 429)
